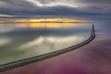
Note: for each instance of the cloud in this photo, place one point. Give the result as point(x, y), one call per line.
point(92, 9)
point(14, 4)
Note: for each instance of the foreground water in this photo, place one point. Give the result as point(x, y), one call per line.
point(18, 43)
point(94, 58)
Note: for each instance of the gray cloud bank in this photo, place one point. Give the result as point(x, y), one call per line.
point(91, 9)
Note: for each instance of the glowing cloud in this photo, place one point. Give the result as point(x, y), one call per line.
point(51, 3)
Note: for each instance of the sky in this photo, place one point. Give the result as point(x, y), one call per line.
point(84, 9)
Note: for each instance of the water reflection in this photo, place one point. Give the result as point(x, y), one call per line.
point(21, 43)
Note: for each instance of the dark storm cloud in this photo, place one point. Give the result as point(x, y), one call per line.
point(89, 9)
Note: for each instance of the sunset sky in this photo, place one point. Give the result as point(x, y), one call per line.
point(93, 58)
point(83, 9)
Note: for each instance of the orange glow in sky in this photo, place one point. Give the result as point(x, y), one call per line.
point(51, 20)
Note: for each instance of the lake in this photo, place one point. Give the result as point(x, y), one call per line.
point(21, 40)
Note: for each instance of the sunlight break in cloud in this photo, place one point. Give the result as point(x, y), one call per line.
point(52, 3)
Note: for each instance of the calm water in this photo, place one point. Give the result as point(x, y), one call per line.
point(18, 43)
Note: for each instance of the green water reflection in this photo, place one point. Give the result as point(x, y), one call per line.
point(21, 43)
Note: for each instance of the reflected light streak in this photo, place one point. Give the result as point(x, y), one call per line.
point(46, 25)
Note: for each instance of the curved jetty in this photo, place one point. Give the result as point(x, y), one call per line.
point(19, 63)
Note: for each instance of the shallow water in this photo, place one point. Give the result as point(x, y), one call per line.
point(18, 43)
